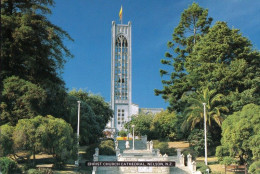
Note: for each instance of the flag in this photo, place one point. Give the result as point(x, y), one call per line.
point(120, 13)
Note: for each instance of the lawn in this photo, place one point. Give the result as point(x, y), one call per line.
point(179, 144)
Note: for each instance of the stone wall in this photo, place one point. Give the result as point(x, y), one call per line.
point(143, 170)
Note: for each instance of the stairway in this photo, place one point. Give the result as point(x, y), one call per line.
point(139, 145)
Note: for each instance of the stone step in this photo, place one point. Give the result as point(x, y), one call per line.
point(106, 158)
point(139, 145)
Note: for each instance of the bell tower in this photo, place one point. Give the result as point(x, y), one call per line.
point(121, 75)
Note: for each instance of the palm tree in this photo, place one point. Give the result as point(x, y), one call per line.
point(194, 112)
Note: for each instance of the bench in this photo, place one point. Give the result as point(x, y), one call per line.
point(236, 168)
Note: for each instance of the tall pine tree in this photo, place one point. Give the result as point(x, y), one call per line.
point(194, 23)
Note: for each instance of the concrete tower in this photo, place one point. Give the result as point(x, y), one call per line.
point(121, 75)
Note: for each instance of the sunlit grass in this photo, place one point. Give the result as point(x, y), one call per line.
point(179, 144)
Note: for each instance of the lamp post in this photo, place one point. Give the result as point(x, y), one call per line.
point(133, 126)
point(77, 162)
point(205, 133)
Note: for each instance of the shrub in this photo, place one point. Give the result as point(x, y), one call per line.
point(221, 152)
point(191, 152)
point(122, 133)
point(228, 160)
point(255, 167)
point(107, 148)
point(8, 166)
point(107, 143)
point(164, 148)
point(196, 140)
point(201, 166)
point(90, 150)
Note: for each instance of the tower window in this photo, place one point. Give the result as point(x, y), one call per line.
point(121, 62)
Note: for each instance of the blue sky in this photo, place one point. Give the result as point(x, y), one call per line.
point(89, 24)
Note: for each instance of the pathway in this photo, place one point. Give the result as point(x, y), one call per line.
point(141, 148)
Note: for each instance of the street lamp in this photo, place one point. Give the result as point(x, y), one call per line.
point(133, 126)
point(77, 162)
point(205, 133)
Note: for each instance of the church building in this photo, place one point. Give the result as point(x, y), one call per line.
point(121, 77)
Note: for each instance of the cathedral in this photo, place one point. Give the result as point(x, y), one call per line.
point(121, 78)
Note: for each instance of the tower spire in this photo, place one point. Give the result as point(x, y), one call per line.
point(121, 14)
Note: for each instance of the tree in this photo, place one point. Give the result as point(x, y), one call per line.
point(24, 138)
point(166, 125)
point(142, 124)
point(195, 110)
point(196, 140)
point(40, 134)
point(95, 113)
point(6, 142)
point(8, 166)
point(57, 137)
point(33, 50)
point(193, 25)
point(97, 103)
point(90, 131)
point(241, 132)
point(22, 99)
point(122, 133)
point(224, 60)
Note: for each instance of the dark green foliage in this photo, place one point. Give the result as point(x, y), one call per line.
point(190, 151)
point(32, 49)
point(164, 148)
point(225, 61)
point(241, 132)
point(41, 134)
point(22, 99)
point(56, 136)
point(94, 115)
point(90, 150)
point(32, 46)
point(201, 166)
point(8, 166)
point(255, 167)
point(90, 130)
point(218, 59)
point(163, 126)
point(221, 152)
point(107, 148)
point(122, 133)
point(142, 124)
point(194, 111)
point(194, 23)
point(197, 141)
point(228, 160)
point(98, 105)
point(6, 142)
point(166, 125)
